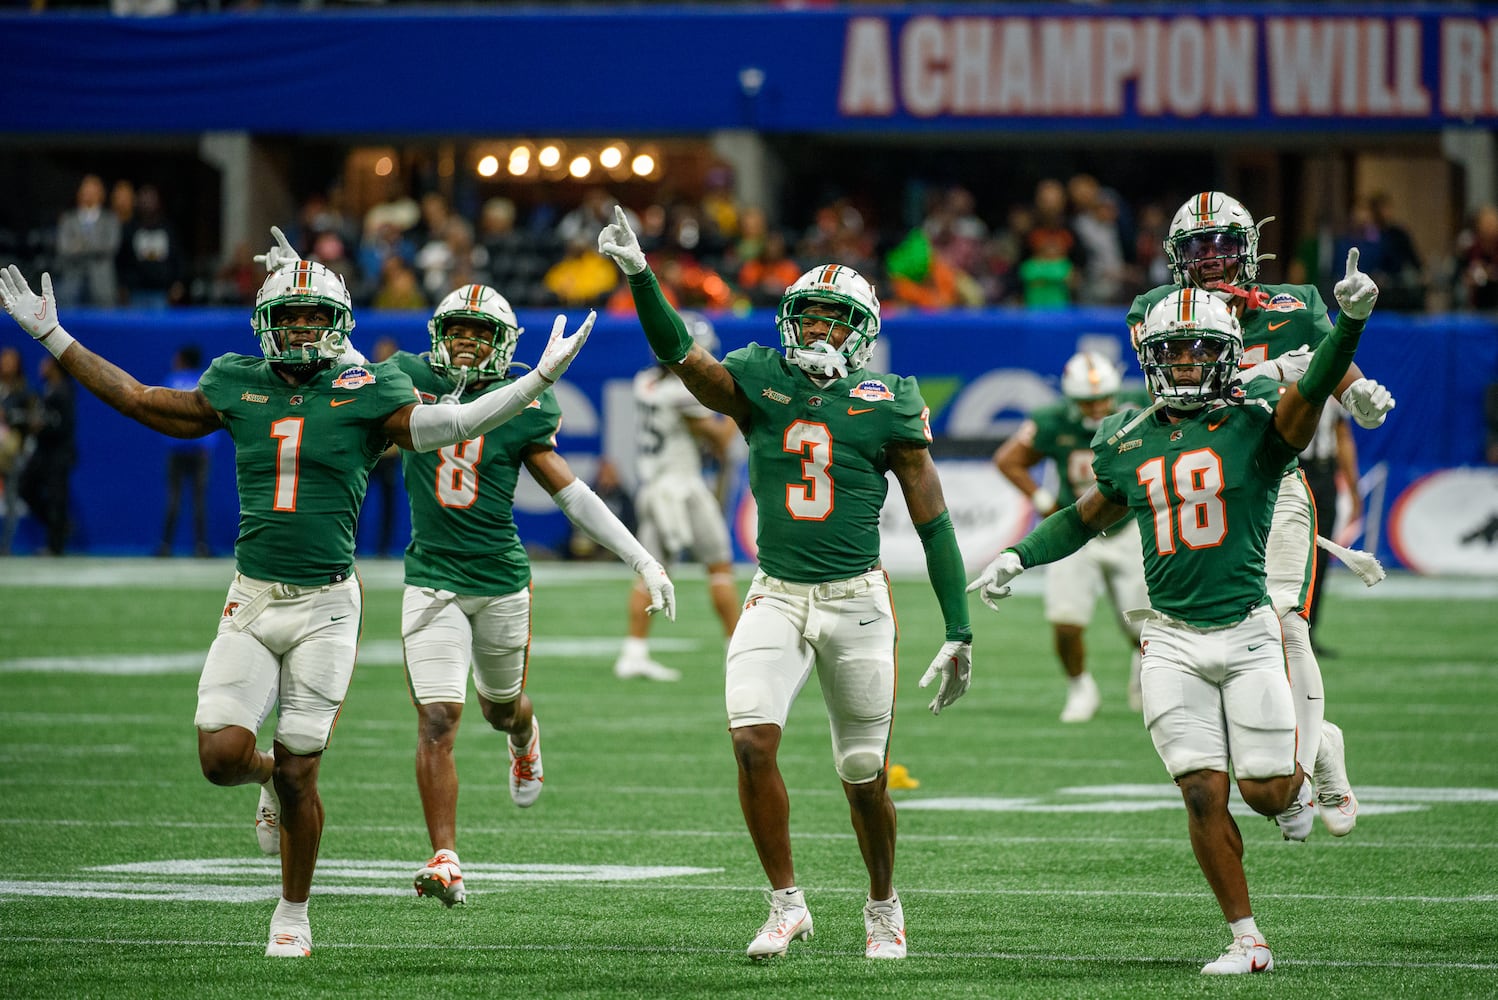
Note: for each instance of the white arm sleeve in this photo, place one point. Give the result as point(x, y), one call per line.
point(437, 425)
point(584, 509)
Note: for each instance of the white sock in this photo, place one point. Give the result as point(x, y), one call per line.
point(289, 914)
point(1245, 926)
point(1306, 688)
point(791, 896)
point(635, 649)
point(451, 854)
point(1079, 680)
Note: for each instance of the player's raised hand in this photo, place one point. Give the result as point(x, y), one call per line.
point(662, 591)
point(561, 349)
point(1368, 402)
point(618, 241)
point(954, 666)
point(37, 314)
point(993, 583)
point(280, 255)
point(1356, 293)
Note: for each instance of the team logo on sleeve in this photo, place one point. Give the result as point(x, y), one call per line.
point(1284, 302)
point(870, 390)
point(353, 378)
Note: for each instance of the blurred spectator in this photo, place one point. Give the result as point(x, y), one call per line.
point(1150, 266)
point(399, 288)
point(383, 242)
point(396, 208)
point(186, 459)
point(237, 281)
point(1398, 272)
point(719, 207)
point(1095, 220)
point(385, 477)
point(697, 286)
point(122, 200)
point(754, 229)
point(44, 476)
point(451, 259)
point(584, 276)
point(150, 259)
point(919, 276)
point(1048, 274)
point(16, 401)
point(1477, 257)
point(769, 272)
point(88, 237)
point(999, 275)
point(595, 212)
point(497, 222)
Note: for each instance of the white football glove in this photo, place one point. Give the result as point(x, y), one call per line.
point(561, 349)
point(618, 241)
point(1368, 402)
point(37, 314)
point(662, 591)
point(1286, 368)
point(280, 255)
point(993, 583)
point(954, 665)
point(1356, 293)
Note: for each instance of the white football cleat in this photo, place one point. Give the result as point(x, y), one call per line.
point(1082, 699)
point(884, 922)
point(441, 879)
point(1338, 806)
point(641, 666)
point(1295, 822)
point(1246, 954)
point(788, 922)
point(289, 942)
point(525, 769)
point(268, 819)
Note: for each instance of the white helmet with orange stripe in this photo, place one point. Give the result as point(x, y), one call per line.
point(302, 283)
point(1213, 239)
point(1189, 346)
point(466, 321)
point(839, 300)
point(1089, 375)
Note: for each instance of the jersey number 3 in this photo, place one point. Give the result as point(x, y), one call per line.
point(813, 442)
point(1198, 517)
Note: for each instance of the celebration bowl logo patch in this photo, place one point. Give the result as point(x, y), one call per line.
point(871, 389)
point(353, 378)
point(1284, 302)
point(425, 397)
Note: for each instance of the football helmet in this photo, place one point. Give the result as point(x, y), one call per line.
point(1213, 232)
point(845, 289)
point(1089, 375)
point(1189, 346)
point(700, 329)
point(304, 283)
point(481, 305)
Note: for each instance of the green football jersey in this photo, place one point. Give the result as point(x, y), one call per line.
point(1062, 437)
point(463, 536)
point(302, 455)
point(817, 461)
point(1290, 315)
point(1203, 492)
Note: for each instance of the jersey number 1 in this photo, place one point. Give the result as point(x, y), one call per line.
point(1200, 519)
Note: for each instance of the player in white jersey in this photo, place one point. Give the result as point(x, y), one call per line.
point(677, 511)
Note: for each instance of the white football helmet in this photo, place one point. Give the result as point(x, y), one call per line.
point(1089, 375)
point(1189, 346)
point(484, 306)
point(841, 287)
point(1213, 232)
point(302, 283)
point(701, 330)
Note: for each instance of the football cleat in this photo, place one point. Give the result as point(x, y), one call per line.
point(1082, 699)
point(1295, 822)
point(1245, 955)
point(1338, 806)
point(639, 666)
point(441, 879)
point(788, 922)
point(525, 768)
point(268, 819)
point(289, 942)
point(885, 924)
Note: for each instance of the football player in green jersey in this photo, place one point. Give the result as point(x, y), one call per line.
point(822, 433)
point(308, 419)
point(460, 610)
point(1062, 433)
point(1198, 471)
point(1213, 244)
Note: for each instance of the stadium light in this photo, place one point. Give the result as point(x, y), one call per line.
point(520, 161)
point(580, 167)
point(643, 165)
point(550, 155)
point(488, 166)
point(383, 166)
point(610, 157)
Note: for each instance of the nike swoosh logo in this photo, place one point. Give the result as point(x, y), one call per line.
point(1275, 326)
point(853, 413)
point(339, 618)
point(1252, 648)
point(870, 621)
point(1213, 427)
point(339, 402)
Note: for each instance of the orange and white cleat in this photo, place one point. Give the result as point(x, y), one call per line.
point(441, 879)
point(525, 768)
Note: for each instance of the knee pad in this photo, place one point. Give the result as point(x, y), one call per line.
point(859, 766)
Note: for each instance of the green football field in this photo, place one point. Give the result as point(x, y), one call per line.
point(1035, 859)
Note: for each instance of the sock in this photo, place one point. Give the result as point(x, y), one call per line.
point(1245, 926)
point(1079, 680)
point(1306, 688)
point(289, 914)
point(635, 649)
point(790, 896)
point(451, 854)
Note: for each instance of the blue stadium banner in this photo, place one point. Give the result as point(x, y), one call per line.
point(914, 68)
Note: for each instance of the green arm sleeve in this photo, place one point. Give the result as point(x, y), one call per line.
point(1330, 361)
point(664, 329)
point(1057, 537)
point(944, 566)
